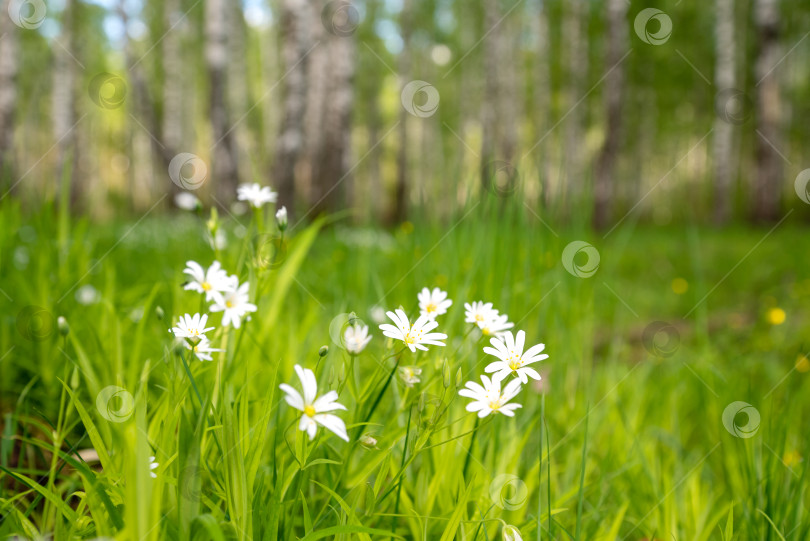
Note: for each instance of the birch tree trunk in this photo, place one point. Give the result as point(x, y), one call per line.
point(330, 164)
point(724, 79)
point(400, 204)
point(8, 90)
point(224, 165)
point(290, 142)
point(63, 106)
point(604, 178)
point(575, 150)
point(489, 106)
point(173, 117)
point(542, 92)
point(768, 179)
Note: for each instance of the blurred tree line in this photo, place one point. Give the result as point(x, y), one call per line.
point(581, 109)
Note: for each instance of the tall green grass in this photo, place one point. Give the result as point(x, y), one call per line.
point(621, 440)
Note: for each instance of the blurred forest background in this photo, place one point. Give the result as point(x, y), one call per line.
point(584, 109)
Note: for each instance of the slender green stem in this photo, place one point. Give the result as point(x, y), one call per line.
point(191, 379)
point(379, 395)
point(470, 450)
point(401, 468)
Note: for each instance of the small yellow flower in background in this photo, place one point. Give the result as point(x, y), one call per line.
point(803, 364)
point(791, 458)
point(407, 227)
point(776, 316)
point(679, 286)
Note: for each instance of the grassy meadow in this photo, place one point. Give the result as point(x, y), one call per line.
point(624, 438)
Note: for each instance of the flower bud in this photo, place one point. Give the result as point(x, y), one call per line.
point(213, 222)
point(323, 351)
point(446, 374)
point(62, 325)
point(511, 533)
point(74, 378)
point(368, 441)
point(159, 313)
point(459, 377)
point(281, 218)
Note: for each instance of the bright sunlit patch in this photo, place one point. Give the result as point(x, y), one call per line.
point(803, 364)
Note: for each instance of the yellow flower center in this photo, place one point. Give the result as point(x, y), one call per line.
point(514, 365)
point(479, 317)
point(486, 331)
point(309, 411)
point(229, 304)
point(196, 349)
point(206, 286)
point(430, 308)
point(495, 404)
point(409, 339)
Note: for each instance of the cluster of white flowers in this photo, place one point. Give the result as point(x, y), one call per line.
point(487, 318)
point(490, 397)
point(224, 293)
